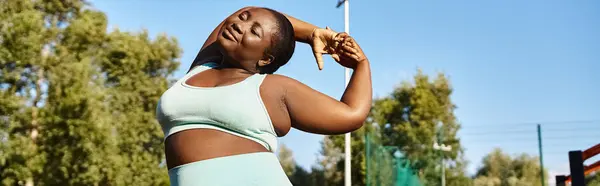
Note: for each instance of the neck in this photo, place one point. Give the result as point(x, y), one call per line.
point(233, 65)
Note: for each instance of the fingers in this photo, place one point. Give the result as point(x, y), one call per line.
point(350, 55)
point(342, 47)
point(348, 48)
point(338, 38)
point(341, 36)
point(348, 45)
point(350, 42)
point(336, 57)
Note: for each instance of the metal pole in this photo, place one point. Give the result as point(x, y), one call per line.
point(367, 157)
point(560, 180)
point(539, 132)
point(576, 167)
point(442, 153)
point(441, 140)
point(442, 148)
point(378, 164)
point(347, 158)
point(443, 171)
point(348, 180)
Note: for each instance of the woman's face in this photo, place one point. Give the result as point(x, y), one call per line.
point(246, 34)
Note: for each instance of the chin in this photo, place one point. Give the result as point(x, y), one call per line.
point(224, 43)
point(225, 47)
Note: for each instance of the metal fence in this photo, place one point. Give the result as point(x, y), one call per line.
point(386, 165)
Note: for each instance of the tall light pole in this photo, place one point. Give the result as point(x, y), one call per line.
point(442, 148)
point(347, 175)
point(539, 132)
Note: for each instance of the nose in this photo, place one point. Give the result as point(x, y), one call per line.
point(237, 28)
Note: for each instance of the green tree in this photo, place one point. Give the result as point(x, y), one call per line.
point(331, 163)
point(500, 169)
point(300, 176)
point(286, 159)
point(135, 69)
point(415, 117)
point(594, 179)
point(295, 173)
point(317, 176)
point(412, 118)
point(77, 104)
point(334, 158)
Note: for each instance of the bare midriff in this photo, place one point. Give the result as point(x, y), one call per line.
point(202, 144)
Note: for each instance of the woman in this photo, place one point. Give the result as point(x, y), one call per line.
point(222, 119)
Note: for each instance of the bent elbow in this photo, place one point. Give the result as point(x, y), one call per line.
point(356, 121)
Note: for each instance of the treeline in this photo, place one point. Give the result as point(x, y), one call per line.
point(77, 102)
point(412, 118)
point(496, 169)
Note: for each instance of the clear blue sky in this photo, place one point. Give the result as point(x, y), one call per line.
point(510, 62)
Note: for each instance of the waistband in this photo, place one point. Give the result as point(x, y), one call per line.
point(260, 168)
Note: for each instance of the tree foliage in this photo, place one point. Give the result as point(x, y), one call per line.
point(594, 179)
point(295, 173)
point(330, 163)
point(286, 159)
point(500, 169)
point(77, 104)
point(412, 118)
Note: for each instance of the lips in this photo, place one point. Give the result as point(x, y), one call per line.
point(229, 35)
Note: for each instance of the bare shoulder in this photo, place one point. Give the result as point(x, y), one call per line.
point(278, 78)
point(275, 86)
point(281, 86)
point(280, 81)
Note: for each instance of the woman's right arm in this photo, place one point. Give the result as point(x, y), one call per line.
point(315, 112)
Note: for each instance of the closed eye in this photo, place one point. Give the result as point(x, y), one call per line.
point(244, 15)
point(257, 29)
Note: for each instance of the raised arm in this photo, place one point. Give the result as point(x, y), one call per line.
point(315, 112)
point(302, 30)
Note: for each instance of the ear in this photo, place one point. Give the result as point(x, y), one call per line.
point(268, 59)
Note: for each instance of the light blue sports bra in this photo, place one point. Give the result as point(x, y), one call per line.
point(236, 109)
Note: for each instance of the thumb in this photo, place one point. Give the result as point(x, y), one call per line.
point(319, 58)
point(334, 32)
point(329, 28)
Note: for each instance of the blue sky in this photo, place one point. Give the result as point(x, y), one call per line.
point(512, 63)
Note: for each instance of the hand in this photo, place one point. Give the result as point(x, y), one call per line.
point(323, 42)
point(348, 51)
